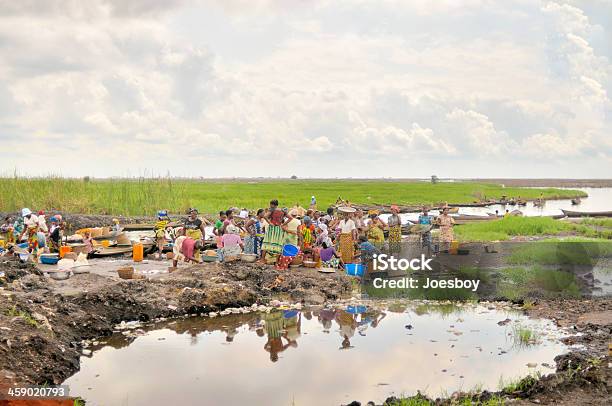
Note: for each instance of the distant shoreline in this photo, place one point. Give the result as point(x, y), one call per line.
point(509, 182)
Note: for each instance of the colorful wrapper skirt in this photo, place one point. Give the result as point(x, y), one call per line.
point(196, 235)
point(252, 244)
point(274, 239)
point(376, 237)
point(33, 240)
point(347, 248)
point(395, 238)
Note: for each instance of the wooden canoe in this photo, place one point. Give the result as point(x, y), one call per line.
point(111, 251)
point(137, 227)
point(571, 213)
point(480, 204)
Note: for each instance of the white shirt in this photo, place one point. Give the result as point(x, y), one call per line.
point(42, 223)
point(31, 222)
point(347, 226)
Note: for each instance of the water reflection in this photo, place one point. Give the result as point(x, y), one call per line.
point(321, 355)
point(599, 200)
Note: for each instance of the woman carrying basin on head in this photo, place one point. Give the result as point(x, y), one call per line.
point(348, 235)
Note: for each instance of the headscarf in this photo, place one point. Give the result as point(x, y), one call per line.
point(307, 220)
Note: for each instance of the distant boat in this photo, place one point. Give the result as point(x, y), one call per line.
point(576, 201)
point(571, 213)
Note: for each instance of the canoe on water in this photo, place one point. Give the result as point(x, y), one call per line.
point(571, 213)
point(480, 204)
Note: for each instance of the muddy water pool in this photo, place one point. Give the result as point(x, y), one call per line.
point(322, 356)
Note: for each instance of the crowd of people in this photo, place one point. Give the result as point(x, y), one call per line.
point(330, 238)
point(34, 229)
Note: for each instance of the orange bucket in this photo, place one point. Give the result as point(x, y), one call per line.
point(105, 243)
point(64, 249)
point(137, 252)
point(454, 246)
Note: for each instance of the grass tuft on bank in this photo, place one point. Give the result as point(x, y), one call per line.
point(506, 228)
point(569, 251)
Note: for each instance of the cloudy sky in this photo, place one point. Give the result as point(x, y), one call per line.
point(321, 88)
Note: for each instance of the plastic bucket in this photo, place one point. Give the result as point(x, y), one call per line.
point(49, 259)
point(454, 246)
point(354, 269)
point(356, 309)
point(138, 252)
point(290, 250)
point(64, 250)
point(23, 245)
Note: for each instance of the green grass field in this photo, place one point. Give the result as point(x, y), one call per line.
point(146, 196)
point(504, 229)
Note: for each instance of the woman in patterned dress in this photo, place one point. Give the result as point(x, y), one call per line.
point(395, 230)
point(446, 223)
point(275, 236)
point(376, 226)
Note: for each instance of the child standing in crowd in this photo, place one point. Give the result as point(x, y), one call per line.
point(255, 231)
point(88, 241)
point(160, 231)
point(55, 232)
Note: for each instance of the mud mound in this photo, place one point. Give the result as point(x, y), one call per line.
point(11, 270)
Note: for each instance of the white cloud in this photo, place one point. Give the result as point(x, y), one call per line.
point(432, 83)
point(541, 146)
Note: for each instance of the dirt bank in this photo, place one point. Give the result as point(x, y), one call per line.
point(42, 321)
